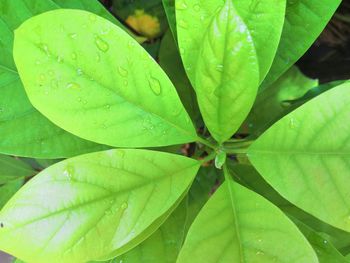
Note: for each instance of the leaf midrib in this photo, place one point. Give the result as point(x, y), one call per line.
point(157, 179)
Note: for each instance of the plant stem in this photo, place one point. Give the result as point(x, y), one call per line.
point(208, 158)
point(236, 151)
point(206, 143)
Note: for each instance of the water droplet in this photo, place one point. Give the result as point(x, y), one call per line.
point(92, 17)
point(155, 86)
point(73, 85)
point(79, 99)
point(73, 35)
point(126, 83)
point(59, 59)
point(80, 72)
point(293, 123)
point(147, 124)
point(131, 44)
point(98, 58)
point(122, 71)
point(108, 107)
point(260, 253)
point(259, 240)
point(180, 5)
point(45, 48)
point(54, 84)
point(196, 8)
point(120, 153)
point(68, 172)
point(176, 112)
point(74, 56)
point(325, 241)
point(105, 31)
point(124, 205)
point(220, 67)
point(183, 24)
point(42, 77)
point(101, 44)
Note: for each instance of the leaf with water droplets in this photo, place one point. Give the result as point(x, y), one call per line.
point(243, 227)
point(225, 55)
point(94, 205)
point(145, 96)
point(20, 123)
point(306, 157)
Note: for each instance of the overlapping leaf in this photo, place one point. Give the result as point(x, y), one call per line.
point(305, 156)
point(223, 46)
point(42, 139)
point(97, 82)
point(243, 227)
point(93, 205)
point(305, 20)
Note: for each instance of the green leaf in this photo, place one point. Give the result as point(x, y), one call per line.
point(98, 83)
point(169, 7)
point(273, 102)
point(223, 46)
point(8, 189)
point(325, 251)
point(305, 157)
point(170, 61)
point(93, 205)
point(305, 20)
point(43, 139)
point(12, 169)
point(237, 225)
point(247, 175)
point(164, 244)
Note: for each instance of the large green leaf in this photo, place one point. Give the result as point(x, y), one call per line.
point(97, 82)
point(273, 102)
point(325, 251)
point(164, 245)
point(170, 61)
point(223, 46)
point(306, 157)
point(86, 207)
point(237, 225)
point(12, 169)
point(43, 139)
point(305, 20)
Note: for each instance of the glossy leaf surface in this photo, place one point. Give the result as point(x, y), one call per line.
point(325, 251)
point(305, 157)
point(305, 20)
point(243, 227)
point(222, 44)
point(97, 82)
point(164, 245)
point(43, 139)
point(170, 61)
point(86, 207)
point(272, 102)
